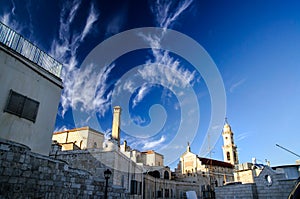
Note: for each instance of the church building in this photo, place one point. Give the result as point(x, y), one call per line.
point(206, 172)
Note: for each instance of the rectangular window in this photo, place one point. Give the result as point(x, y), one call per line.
point(136, 187)
point(133, 187)
point(22, 106)
point(159, 194)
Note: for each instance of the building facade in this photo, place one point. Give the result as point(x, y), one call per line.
point(79, 138)
point(258, 181)
point(30, 87)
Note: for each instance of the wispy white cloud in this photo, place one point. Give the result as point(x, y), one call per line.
point(167, 71)
point(13, 10)
point(84, 88)
point(167, 12)
point(6, 19)
point(142, 92)
point(164, 69)
point(92, 18)
point(154, 144)
point(236, 85)
point(138, 119)
point(9, 19)
point(242, 136)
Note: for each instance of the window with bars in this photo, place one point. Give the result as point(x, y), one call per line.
point(22, 106)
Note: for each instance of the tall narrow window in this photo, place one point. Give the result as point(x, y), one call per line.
point(22, 106)
point(228, 156)
point(235, 156)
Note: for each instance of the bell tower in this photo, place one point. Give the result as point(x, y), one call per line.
point(229, 148)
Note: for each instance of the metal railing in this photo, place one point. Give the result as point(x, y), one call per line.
point(19, 44)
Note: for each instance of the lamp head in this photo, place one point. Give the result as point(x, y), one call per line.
point(107, 174)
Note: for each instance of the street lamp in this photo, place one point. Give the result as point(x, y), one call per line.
point(107, 174)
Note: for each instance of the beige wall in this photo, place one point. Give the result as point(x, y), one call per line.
point(153, 159)
point(85, 137)
point(189, 163)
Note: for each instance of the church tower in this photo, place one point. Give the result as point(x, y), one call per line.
point(229, 148)
point(116, 124)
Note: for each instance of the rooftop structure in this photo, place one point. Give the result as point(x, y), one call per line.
point(22, 46)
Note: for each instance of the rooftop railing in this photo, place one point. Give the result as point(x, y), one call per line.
point(19, 44)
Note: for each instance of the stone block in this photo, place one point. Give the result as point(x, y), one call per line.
point(4, 179)
point(17, 172)
point(26, 173)
point(21, 180)
point(10, 156)
point(76, 186)
point(13, 180)
point(90, 187)
point(2, 155)
point(7, 171)
point(5, 164)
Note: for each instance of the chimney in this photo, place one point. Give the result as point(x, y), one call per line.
point(116, 124)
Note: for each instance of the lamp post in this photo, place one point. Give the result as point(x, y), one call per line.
point(107, 174)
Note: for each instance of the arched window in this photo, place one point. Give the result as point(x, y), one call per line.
point(154, 174)
point(166, 175)
point(228, 155)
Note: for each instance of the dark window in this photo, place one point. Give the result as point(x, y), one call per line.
point(139, 188)
point(136, 187)
point(228, 156)
point(166, 175)
point(133, 187)
point(235, 157)
point(122, 180)
point(95, 145)
point(167, 193)
point(159, 194)
point(22, 106)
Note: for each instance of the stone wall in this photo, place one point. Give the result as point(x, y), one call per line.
point(24, 174)
point(240, 191)
point(277, 187)
point(164, 188)
point(268, 184)
point(96, 161)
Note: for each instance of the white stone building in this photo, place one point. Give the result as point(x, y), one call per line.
point(30, 87)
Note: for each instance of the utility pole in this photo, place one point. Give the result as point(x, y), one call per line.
point(288, 150)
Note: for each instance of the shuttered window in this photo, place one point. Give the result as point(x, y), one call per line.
point(22, 106)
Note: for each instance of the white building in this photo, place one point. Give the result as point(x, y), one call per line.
point(30, 88)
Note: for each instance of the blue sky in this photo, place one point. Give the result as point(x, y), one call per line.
point(254, 45)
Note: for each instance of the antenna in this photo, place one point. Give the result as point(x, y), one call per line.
point(288, 150)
